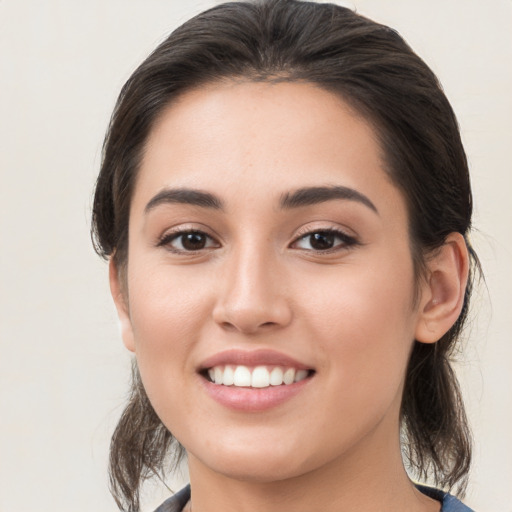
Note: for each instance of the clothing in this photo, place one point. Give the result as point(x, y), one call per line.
point(177, 502)
point(450, 503)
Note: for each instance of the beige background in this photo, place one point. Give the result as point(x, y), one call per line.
point(63, 371)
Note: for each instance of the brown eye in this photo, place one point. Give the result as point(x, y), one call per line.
point(324, 240)
point(193, 241)
point(188, 241)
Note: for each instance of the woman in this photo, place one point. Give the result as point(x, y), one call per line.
point(285, 203)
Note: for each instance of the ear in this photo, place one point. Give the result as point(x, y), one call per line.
point(443, 291)
point(120, 296)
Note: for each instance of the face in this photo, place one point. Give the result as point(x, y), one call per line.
point(269, 252)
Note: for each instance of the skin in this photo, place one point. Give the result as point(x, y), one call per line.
point(348, 313)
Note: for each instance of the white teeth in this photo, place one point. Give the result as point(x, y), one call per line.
point(300, 375)
point(289, 376)
point(276, 376)
point(258, 377)
point(229, 376)
point(218, 375)
point(242, 376)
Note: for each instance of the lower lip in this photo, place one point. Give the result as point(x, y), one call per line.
point(253, 399)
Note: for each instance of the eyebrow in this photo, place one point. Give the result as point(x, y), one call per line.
point(185, 196)
point(302, 197)
point(314, 195)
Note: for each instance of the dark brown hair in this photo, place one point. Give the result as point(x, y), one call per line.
point(371, 67)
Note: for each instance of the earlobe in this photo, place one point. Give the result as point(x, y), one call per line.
point(443, 291)
point(120, 297)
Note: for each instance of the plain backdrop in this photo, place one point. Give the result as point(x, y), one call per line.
point(63, 371)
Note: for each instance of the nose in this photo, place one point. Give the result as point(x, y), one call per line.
point(252, 296)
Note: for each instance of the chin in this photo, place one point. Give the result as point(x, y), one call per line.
point(259, 463)
point(257, 471)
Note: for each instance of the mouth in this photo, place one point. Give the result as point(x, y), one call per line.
point(261, 376)
point(254, 379)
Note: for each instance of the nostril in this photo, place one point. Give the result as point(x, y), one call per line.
point(250, 319)
point(247, 302)
point(249, 329)
point(228, 326)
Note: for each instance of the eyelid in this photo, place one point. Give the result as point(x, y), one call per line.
point(329, 227)
point(175, 232)
point(187, 227)
point(348, 240)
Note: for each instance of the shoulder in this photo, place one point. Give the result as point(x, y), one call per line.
point(177, 502)
point(449, 503)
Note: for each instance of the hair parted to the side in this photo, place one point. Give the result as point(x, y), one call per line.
point(371, 67)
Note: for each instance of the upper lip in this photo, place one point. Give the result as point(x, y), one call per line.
point(260, 357)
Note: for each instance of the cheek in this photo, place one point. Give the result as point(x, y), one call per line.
point(168, 311)
point(166, 307)
point(167, 320)
point(364, 324)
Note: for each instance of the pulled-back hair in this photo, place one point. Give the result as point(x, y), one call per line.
point(371, 67)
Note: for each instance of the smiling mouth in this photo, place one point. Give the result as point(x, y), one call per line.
point(256, 376)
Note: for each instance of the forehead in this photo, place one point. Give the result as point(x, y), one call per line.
point(261, 136)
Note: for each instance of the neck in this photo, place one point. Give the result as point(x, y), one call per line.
point(365, 480)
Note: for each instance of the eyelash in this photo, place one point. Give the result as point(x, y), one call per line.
point(347, 241)
point(167, 239)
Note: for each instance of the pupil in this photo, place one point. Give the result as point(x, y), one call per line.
point(322, 241)
point(193, 241)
